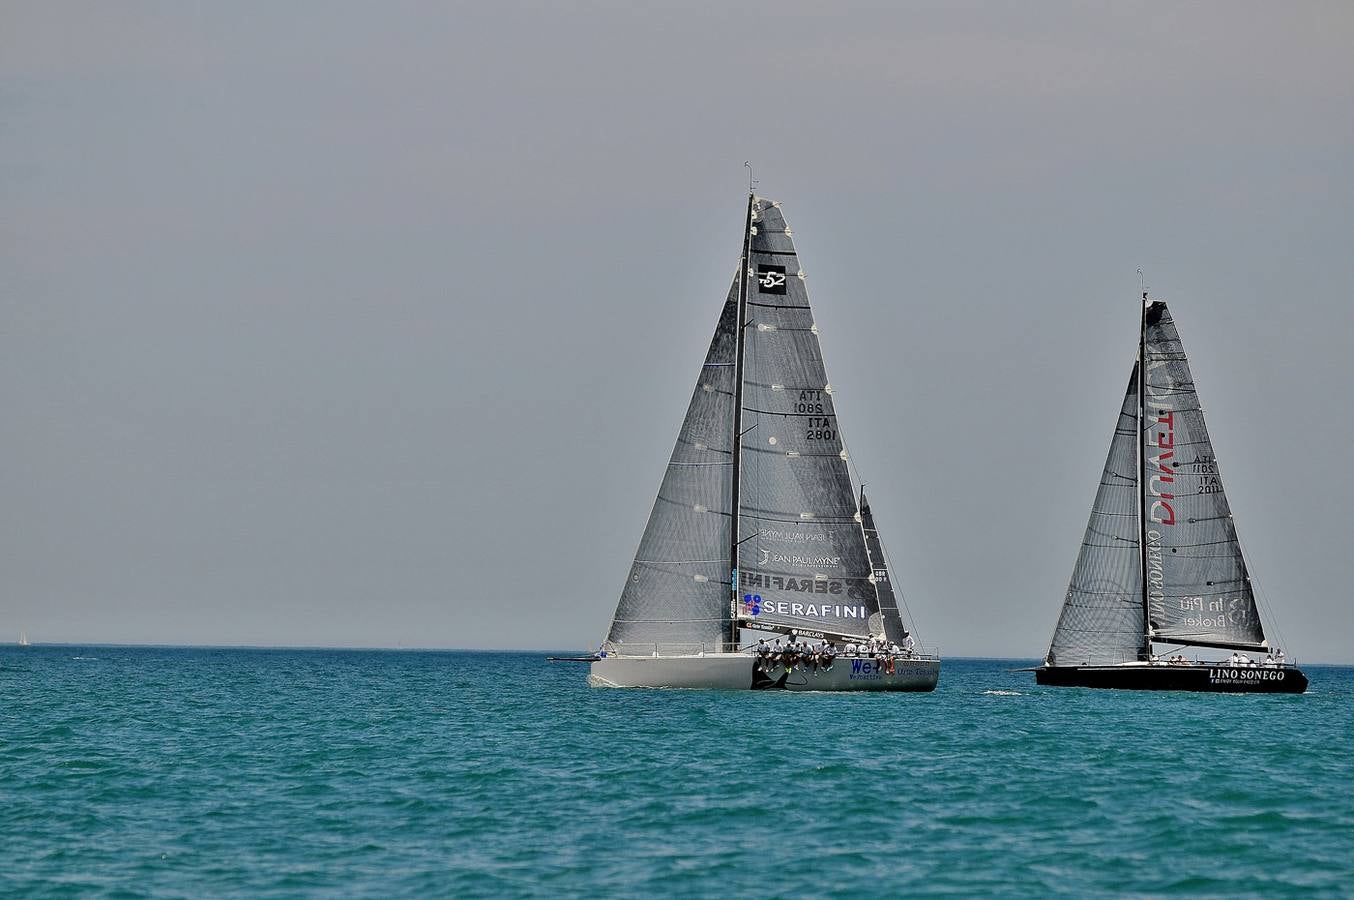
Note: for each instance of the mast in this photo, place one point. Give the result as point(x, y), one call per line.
point(1142, 476)
point(735, 496)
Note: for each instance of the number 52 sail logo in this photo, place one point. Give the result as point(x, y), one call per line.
point(770, 279)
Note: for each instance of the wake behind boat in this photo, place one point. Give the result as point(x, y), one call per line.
point(758, 530)
point(1160, 562)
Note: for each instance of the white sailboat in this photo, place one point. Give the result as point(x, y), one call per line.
point(23, 639)
point(758, 530)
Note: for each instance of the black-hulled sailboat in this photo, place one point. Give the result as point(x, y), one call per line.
point(757, 531)
point(1160, 563)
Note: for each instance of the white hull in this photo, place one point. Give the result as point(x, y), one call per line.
point(736, 672)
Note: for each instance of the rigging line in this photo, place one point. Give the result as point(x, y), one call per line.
point(739, 373)
point(900, 596)
point(1140, 469)
point(1258, 591)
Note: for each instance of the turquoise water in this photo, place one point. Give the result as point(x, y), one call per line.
point(141, 771)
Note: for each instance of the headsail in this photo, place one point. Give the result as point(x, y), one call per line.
point(891, 616)
point(677, 591)
point(1198, 590)
point(1102, 616)
point(803, 561)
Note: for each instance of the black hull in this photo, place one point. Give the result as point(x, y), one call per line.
point(1220, 679)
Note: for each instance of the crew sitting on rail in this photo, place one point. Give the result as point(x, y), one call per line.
point(891, 653)
point(812, 658)
point(763, 655)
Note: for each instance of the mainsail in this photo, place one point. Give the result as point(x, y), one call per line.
point(1198, 590)
point(800, 552)
point(1102, 617)
point(802, 561)
point(677, 592)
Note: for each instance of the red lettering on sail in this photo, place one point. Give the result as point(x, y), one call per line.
point(1163, 513)
point(1161, 483)
point(1166, 440)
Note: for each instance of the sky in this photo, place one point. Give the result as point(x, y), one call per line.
point(360, 324)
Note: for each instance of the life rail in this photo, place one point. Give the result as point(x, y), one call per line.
point(1178, 660)
point(634, 649)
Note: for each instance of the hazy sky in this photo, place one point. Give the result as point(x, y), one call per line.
point(373, 324)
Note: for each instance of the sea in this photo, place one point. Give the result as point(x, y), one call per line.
point(149, 772)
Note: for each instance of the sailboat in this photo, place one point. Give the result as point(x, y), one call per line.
point(1160, 563)
point(23, 639)
point(758, 532)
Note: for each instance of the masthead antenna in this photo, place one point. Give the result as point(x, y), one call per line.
point(1142, 285)
point(751, 181)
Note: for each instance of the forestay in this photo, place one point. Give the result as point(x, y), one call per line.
point(1198, 589)
point(1102, 615)
point(802, 562)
